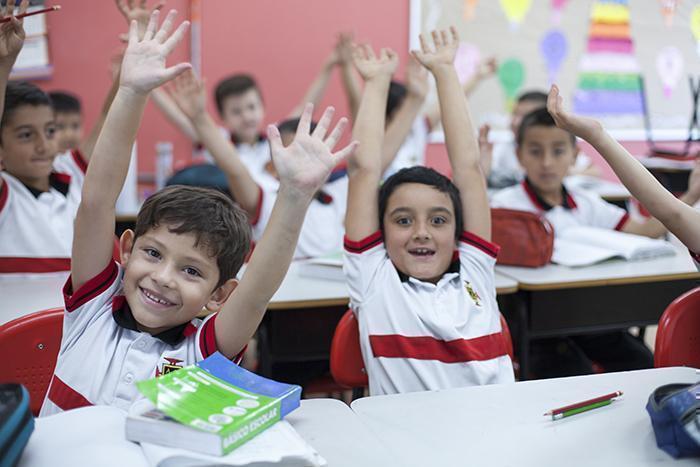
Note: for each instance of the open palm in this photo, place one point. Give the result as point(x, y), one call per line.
point(370, 66)
point(583, 127)
point(189, 95)
point(444, 50)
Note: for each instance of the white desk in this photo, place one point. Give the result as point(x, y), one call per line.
point(504, 426)
point(19, 297)
point(610, 191)
point(74, 438)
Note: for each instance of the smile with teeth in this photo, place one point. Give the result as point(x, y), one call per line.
point(152, 297)
point(422, 252)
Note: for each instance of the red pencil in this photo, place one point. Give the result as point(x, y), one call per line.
point(7, 19)
point(577, 405)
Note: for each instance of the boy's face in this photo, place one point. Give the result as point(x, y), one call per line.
point(520, 110)
point(69, 127)
point(419, 231)
point(546, 153)
point(29, 142)
point(168, 280)
point(243, 114)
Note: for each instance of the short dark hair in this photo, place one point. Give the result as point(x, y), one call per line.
point(538, 97)
point(538, 117)
point(65, 102)
point(233, 85)
point(291, 124)
point(217, 223)
point(19, 93)
point(425, 176)
point(396, 96)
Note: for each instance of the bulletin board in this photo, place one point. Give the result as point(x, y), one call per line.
point(595, 50)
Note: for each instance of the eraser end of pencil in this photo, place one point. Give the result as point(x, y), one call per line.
point(56, 7)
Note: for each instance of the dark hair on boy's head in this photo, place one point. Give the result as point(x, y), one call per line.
point(64, 102)
point(539, 97)
point(19, 93)
point(425, 176)
point(234, 85)
point(217, 223)
point(539, 117)
point(291, 124)
point(397, 93)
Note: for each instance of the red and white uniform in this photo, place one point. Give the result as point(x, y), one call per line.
point(254, 156)
point(103, 354)
point(419, 336)
point(579, 208)
point(36, 229)
point(322, 231)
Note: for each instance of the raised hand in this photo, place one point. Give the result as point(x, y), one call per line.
point(143, 67)
point(139, 13)
point(444, 51)
point(371, 66)
point(487, 67)
point(344, 47)
point(305, 164)
point(416, 79)
point(12, 33)
point(583, 127)
point(189, 94)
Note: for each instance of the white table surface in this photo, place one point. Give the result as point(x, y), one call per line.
point(62, 440)
point(554, 276)
point(604, 188)
point(504, 425)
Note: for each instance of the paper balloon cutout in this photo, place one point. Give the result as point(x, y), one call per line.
point(469, 9)
point(668, 9)
point(557, 8)
point(511, 75)
point(553, 48)
point(467, 60)
point(515, 10)
point(695, 25)
point(669, 66)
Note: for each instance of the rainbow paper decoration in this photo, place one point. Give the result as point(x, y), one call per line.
point(609, 72)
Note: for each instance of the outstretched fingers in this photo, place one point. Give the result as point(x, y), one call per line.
point(304, 126)
point(152, 26)
point(344, 153)
point(336, 134)
point(176, 37)
point(165, 28)
point(323, 124)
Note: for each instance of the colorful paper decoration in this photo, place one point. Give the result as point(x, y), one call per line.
point(609, 72)
point(695, 25)
point(669, 66)
point(467, 60)
point(515, 10)
point(554, 48)
point(469, 9)
point(557, 9)
point(668, 10)
point(511, 75)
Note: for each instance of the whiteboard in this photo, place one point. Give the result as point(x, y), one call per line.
point(485, 27)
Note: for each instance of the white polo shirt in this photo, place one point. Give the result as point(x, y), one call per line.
point(419, 336)
point(103, 354)
point(579, 207)
point(412, 151)
point(37, 228)
point(322, 231)
point(254, 156)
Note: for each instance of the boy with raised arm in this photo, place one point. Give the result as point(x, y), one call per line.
point(129, 322)
point(418, 260)
point(676, 214)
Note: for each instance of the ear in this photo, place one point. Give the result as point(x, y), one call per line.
point(126, 244)
point(221, 294)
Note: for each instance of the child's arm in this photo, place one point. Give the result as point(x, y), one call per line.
point(351, 85)
point(462, 147)
point(88, 145)
point(318, 87)
point(365, 166)
point(11, 41)
point(675, 214)
point(303, 168)
point(172, 112)
point(402, 122)
point(485, 149)
point(143, 69)
point(189, 95)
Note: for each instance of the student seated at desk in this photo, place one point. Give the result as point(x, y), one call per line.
point(546, 153)
point(676, 214)
point(418, 261)
point(123, 323)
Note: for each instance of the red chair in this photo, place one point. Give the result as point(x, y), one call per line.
point(678, 336)
point(30, 347)
point(347, 366)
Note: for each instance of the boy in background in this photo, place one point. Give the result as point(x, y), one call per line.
point(418, 262)
point(183, 256)
point(69, 119)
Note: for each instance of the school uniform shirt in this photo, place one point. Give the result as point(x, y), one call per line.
point(36, 227)
point(419, 336)
point(103, 354)
point(579, 207)
point(412, 151)
point(254, 156)
point(323, 227)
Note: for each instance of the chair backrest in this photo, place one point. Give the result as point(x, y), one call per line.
point(29, 346)
point(678, 335)
point(347, 366)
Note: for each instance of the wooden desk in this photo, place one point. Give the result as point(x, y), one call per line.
point(557, 300)
point(503, 425)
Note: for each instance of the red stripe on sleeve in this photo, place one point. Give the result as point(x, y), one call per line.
point(34, 265)
point(487, 247)
point(621, 225)
point(428, 348)
point(65, 397)
point(364, 244)
point(90, 289)
point(79, 160)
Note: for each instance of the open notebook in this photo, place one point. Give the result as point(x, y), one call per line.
point(329, 267)
point(583, 246)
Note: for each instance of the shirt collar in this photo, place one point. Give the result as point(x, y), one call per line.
point(567, 200)
point(124, 317)
point(58, 181)
point(261, 137)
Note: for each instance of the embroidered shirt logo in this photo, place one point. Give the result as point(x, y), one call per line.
point(173, 364)
point(472, 293)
